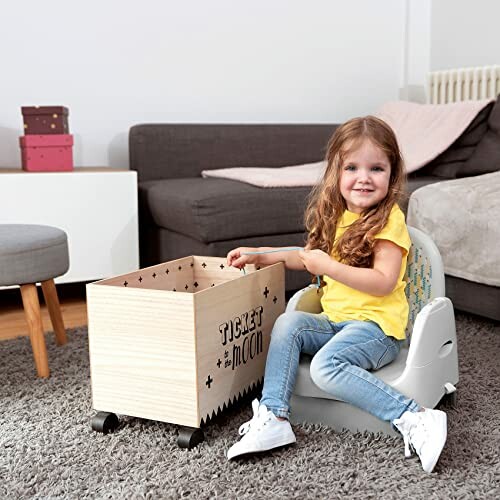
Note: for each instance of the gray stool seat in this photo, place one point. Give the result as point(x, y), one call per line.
point(31, 253)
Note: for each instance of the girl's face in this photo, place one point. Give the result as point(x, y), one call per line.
point(364, 178)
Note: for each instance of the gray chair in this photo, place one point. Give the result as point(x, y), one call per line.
point(31, 254)
point(426, 368)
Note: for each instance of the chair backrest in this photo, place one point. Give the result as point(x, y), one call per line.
point(424, 274)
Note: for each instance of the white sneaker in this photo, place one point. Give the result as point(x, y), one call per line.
point(425, 432)
point(264, 432)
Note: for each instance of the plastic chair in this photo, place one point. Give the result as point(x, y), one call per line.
point(426, 368)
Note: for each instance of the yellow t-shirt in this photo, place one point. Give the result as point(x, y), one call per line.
point(343, 303)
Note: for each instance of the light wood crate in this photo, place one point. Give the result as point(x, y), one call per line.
point(178, 341)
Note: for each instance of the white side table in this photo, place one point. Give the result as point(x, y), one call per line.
point(97, 207)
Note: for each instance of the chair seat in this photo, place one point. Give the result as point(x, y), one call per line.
point(31, 253)
point(305, 387)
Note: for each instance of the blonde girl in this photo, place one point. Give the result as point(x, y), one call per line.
point(358, 242)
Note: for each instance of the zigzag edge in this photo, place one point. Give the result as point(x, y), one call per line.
point(232, 401)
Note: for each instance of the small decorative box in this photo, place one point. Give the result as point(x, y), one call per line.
point(45, 119)
point(47, 153)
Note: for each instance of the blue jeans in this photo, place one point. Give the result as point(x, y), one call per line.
point(343, 354)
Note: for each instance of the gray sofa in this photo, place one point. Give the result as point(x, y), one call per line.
point(181, 213)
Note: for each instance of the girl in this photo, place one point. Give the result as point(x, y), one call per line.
point(358, 242)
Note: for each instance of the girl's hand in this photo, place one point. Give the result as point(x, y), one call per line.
point(236, 258)
point(316, 261)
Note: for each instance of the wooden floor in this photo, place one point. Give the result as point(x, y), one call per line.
point(12, 319)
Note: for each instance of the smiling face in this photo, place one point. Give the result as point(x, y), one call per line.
point(365, 176)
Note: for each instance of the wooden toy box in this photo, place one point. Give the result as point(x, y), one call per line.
point(178, 341)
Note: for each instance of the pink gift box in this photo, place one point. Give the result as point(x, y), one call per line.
point(47, 153)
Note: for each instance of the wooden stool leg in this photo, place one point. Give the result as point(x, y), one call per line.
point(52, 301)
point(35, 325)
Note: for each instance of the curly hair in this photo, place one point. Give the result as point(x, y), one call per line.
point(326, 204)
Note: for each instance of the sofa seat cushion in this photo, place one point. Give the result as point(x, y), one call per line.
point(220, 209)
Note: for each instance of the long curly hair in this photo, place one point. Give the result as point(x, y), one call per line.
point(326, 204)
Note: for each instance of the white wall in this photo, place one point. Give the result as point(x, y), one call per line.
point(118, 63)
point(465, 33)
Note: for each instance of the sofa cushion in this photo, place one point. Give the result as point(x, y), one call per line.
point(451, 161)
point(220, 209)
point(486, 156)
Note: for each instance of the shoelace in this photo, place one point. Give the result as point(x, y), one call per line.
point(409, 432)
point(259, 419)
point(418, 430)
point(406, 440)
point(404, 428)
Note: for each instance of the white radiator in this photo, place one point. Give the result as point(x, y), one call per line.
point(463, 84)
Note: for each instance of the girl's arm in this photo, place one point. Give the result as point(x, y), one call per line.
point(236, 257)
point(379, 280)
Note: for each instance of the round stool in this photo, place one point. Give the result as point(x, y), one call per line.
point(31, 254)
